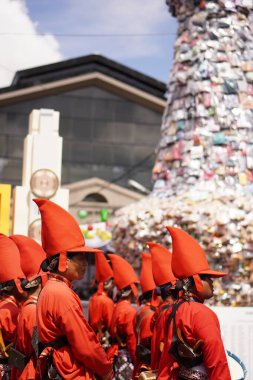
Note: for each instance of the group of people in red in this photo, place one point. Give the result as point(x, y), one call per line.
point(165, 333)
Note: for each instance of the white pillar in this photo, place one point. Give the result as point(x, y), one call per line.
point(41, 178)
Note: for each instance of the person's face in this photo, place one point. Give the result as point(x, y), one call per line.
point(76, 267)
point(207, 291)
point(108, 287)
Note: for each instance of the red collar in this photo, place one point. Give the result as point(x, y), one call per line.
point(10, 299)
point(58, 277)
point(31, 299)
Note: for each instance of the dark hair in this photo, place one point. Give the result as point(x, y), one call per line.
point(146, 296)
point(8, 286)
point(70, 255)
point(123, 293)
point(50, 264)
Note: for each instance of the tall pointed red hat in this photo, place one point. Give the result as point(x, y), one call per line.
point(60, 232)
point(124, 274)
point(161, 264)
point(10, 267)
point(31, 255)
point(146, 276)
point(188, 258)
point(103, 270)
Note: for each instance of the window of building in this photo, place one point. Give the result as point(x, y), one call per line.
point(95, 197)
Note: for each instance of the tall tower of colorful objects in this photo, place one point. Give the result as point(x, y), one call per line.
point(203, 172)
point(207, 129)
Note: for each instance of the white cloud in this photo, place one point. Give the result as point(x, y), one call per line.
point(112, 17)
point(70, 17)
point(28, 50)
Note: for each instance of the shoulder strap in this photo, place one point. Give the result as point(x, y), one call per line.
point(174, 310)
point(59, 342)
point(2, 346)
point(31, 303)
point(164, 307)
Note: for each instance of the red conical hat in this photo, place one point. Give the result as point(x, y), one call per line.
point(161, 264)
point(146, 276)
point(103, 270)
point(60, 232)
point(31, 255)
point(10, 267)
point(188, 257)
point(124, 274)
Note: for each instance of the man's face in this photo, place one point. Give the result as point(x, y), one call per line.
point(207, 291)
point(76, 267)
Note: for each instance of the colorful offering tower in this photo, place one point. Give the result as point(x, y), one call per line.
point(203, 173)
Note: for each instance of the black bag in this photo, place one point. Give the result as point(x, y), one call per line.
point(143, 353)
point(185, 354)
point(180, 350)
point(17, 359)
point(36, 343)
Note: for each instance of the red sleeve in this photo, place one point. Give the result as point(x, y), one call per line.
point(108, 308)
point(206, 327)
point(8, 320)
point(158, 339)
point(153, 319)
point(131, 341)
point(145, 331)
point(84, 342)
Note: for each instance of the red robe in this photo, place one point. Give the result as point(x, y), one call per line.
point(100, 311)
point(59, 313)
point(123, 325)
point(9, 311)
point(196, 321)
point(158, 332)
point(144, 316)
point(143, 332)
point(26, 323)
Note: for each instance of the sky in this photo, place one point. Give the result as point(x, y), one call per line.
point(136, 33)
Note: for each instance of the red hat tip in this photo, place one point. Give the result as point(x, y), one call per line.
point(38, 201)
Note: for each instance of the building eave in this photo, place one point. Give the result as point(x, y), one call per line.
point(91, 79)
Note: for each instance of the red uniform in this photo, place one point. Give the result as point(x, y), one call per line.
point(158, 333)
point(162, 272)
point(10, 270)
point(143, 324)
point(123, 326)
point(31, 257)
point(144, 334)
point(196, 321)
point(100, 311)
point(26, 323)
point(60, 313)
point(9, 311)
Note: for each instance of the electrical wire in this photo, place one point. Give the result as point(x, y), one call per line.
point(89, 34)
point(128, 171)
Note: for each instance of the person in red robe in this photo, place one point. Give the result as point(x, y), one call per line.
point(71, 350)
point(148, 303)
point(101, 304)
point(165, 281)
point(12, 294)
point(124, 317)
point(192, 327)
point(31, 257)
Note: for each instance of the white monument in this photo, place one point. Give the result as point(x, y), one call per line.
point(41, 178)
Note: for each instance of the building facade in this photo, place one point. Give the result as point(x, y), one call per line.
point(110, 119)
